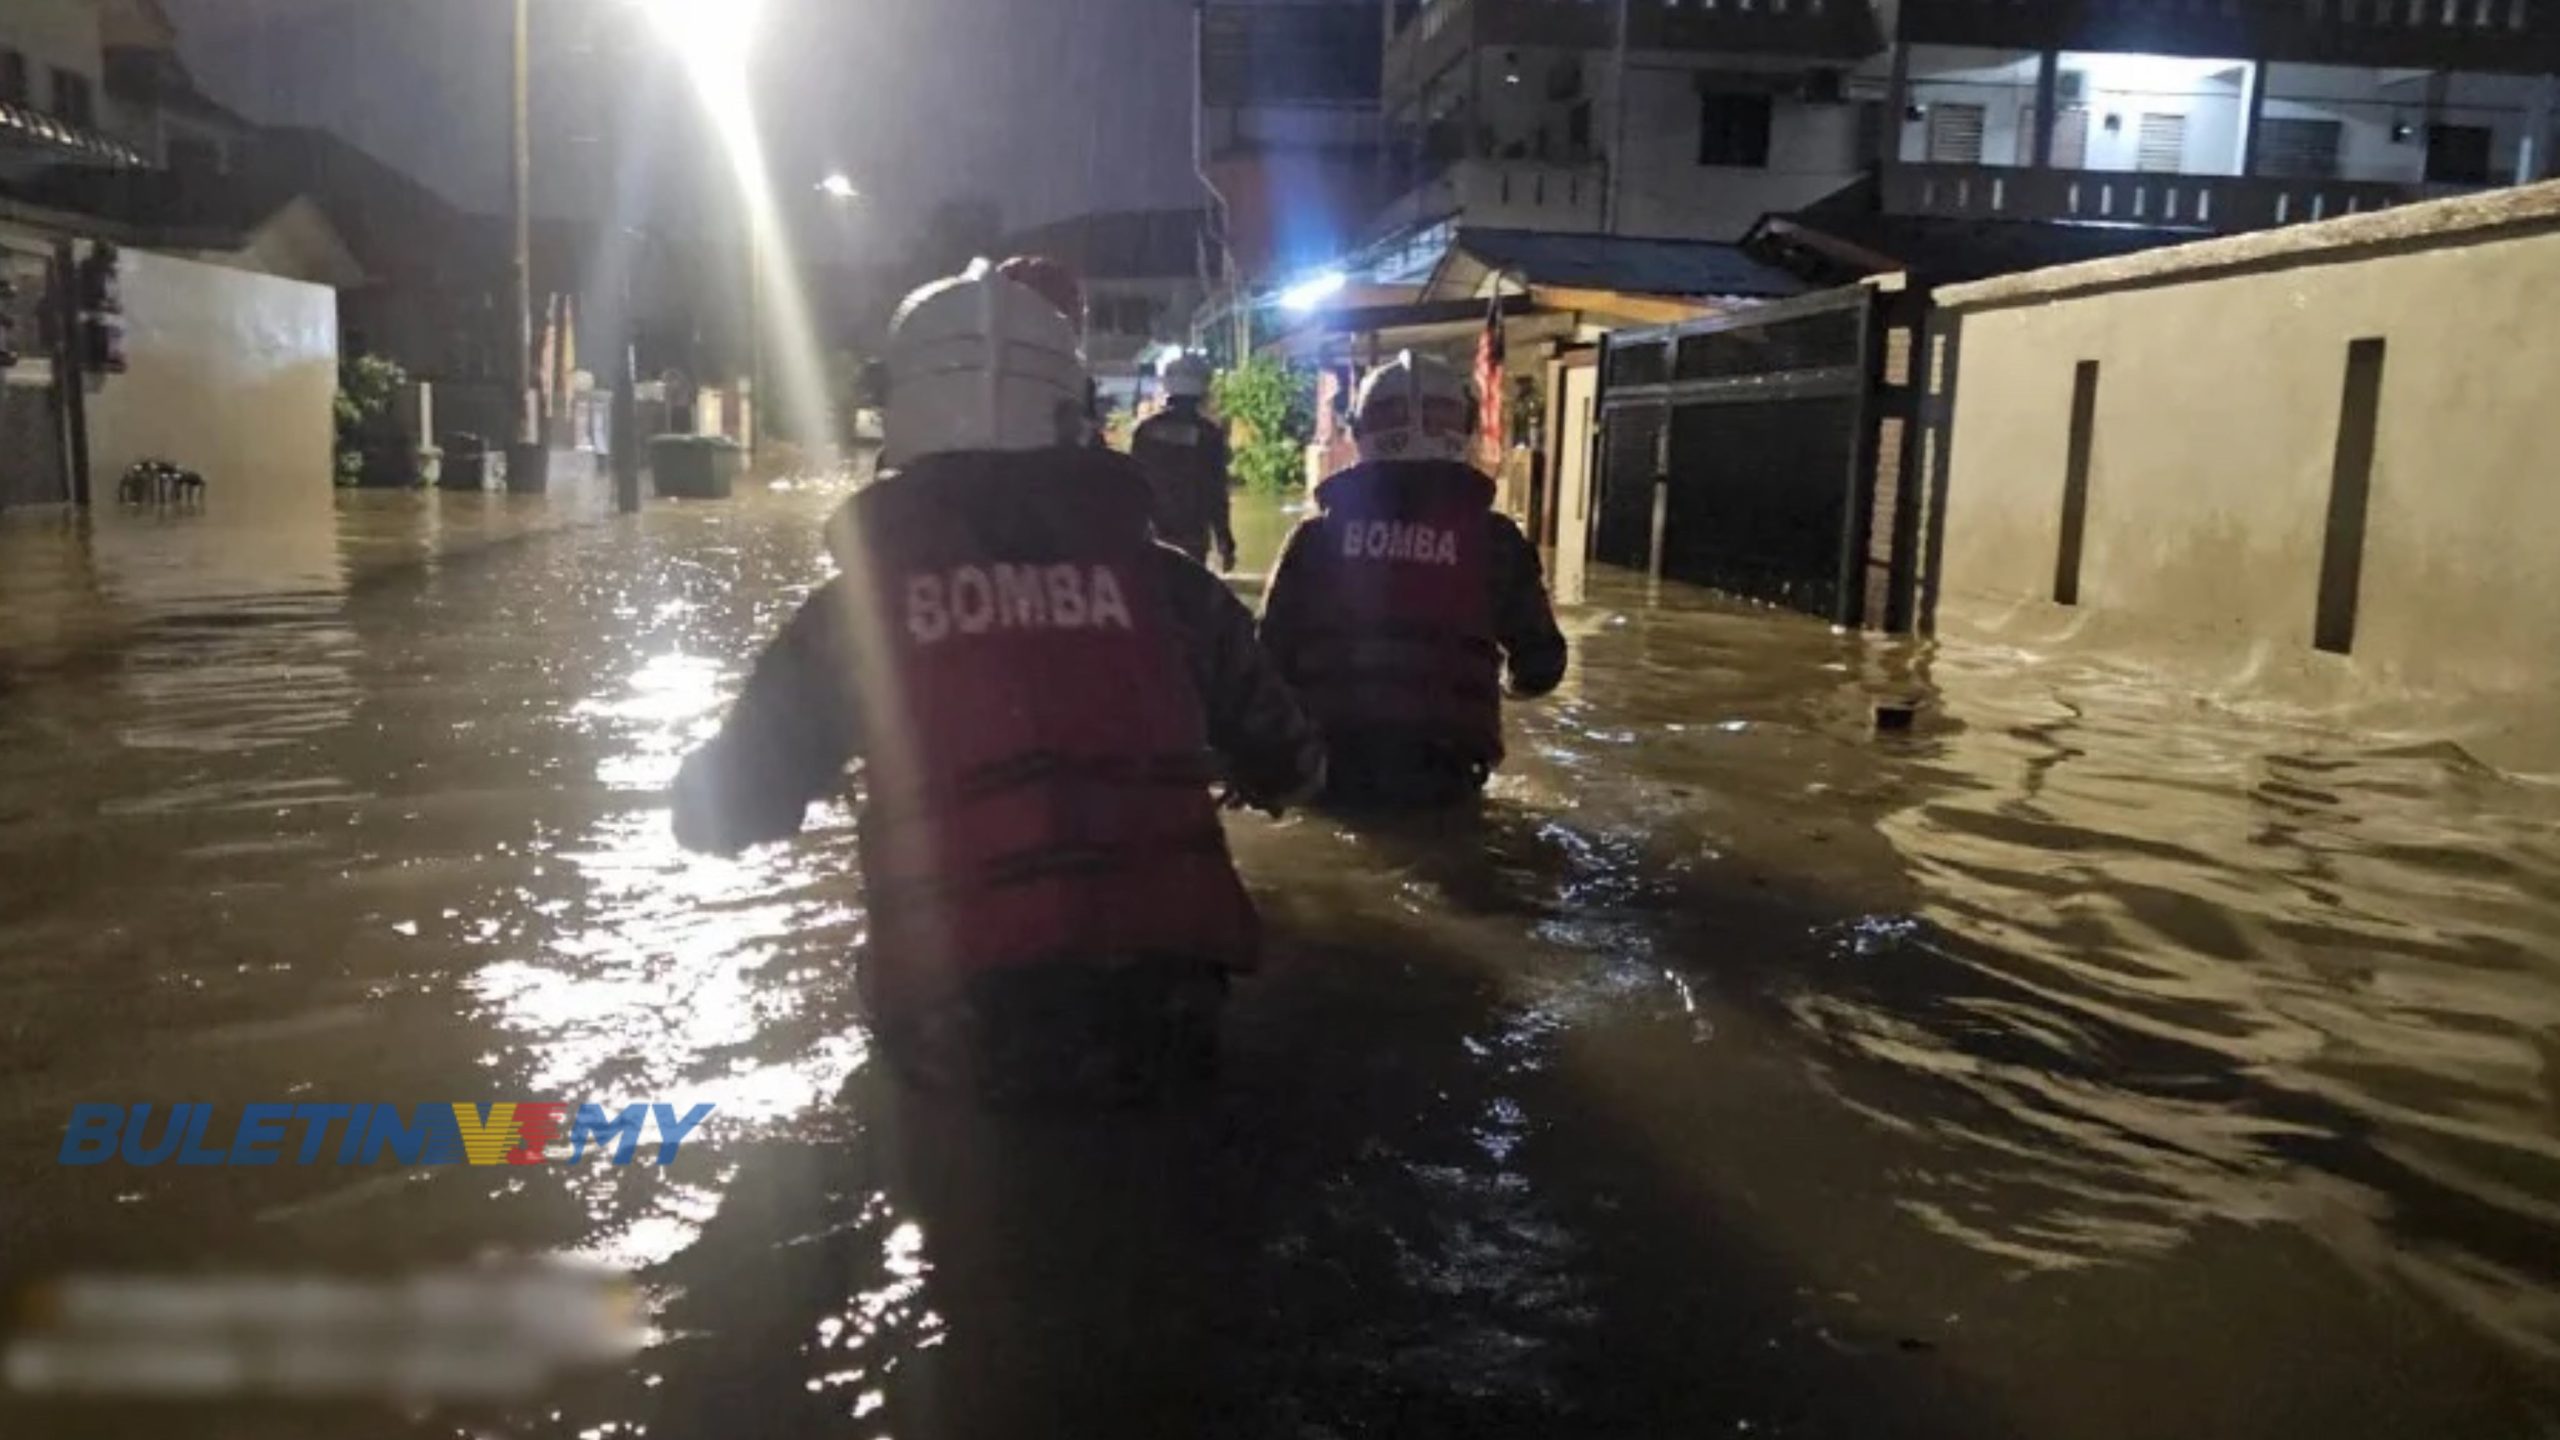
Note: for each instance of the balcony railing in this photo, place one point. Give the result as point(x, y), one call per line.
point(2521, 36)
point(2216, 203)
point(1840, 30)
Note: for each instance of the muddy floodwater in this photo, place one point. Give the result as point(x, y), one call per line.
point(2083, 1063)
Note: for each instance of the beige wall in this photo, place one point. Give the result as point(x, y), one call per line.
point(232, 374)
point(53, 33)
point(2216, 427)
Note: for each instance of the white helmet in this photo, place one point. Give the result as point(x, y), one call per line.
point(1186, 377)
point(1413, 408)
point(981, 363)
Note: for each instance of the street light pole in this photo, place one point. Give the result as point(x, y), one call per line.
point(758, 234)
point(527, 457)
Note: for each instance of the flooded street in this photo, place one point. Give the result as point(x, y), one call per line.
point(2085, 1063)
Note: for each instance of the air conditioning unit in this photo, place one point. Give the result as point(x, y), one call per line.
point(2071, 87)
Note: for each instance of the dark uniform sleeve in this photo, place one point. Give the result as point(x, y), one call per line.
point(787, 740)
point(1524, 623)
point(1284, 602)
point(1220, 507)
point(1274, 754)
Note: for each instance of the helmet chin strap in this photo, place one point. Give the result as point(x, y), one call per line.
point(991, 383)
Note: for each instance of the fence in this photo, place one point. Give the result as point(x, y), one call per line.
point(1766, 453)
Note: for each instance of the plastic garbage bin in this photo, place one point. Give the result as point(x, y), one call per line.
point(466, 464)
point(696, 467)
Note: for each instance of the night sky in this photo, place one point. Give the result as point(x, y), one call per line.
point(1053, 107)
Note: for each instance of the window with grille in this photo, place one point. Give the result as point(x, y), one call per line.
point(73, 100)
point(2161, 144)
point(1564, 81)
point(1955, 134)
point(1734, 130)
point(2458, 154)
point(2299, 149)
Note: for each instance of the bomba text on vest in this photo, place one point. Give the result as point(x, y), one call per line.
point(977, 599)
point(1391, 540)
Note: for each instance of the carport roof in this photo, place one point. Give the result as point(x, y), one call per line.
point(1625, 264)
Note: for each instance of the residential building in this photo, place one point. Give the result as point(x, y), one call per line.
point(1142, 287)
point(2153, 120)
point(2215, 118)
point(52, 74)
point(1288, 129)
point(1643, 118)
point(153, 101)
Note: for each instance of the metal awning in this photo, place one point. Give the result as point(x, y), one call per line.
point(1358, 330)
point(27, 133)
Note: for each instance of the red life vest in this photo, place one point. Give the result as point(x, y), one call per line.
point(1401, 637)
point(1037, 759)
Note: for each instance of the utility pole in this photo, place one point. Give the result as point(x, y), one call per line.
point(1616, 173)
point(1221, 214)
point(759, 235)
point(528, 455)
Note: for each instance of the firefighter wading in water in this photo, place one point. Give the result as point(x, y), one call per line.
point(1185, 456)
point(1393, 610)
point(1037, 691)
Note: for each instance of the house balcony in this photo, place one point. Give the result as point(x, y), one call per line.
point(2218, 204)
point(1504, 195)
point(1845, 31)
point(2505, 36)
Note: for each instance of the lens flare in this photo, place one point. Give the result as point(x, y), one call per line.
point(714, 40)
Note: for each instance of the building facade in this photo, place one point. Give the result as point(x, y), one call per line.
point(1288, 130)
point(1143, 284)
point(1680, 119)
point(1643, 118)
point(52, 89)
point(153, 101)
point(2230, 117)
point(99, 82)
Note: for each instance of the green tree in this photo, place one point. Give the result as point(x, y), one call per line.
point(367, 384)
point(1274, 406)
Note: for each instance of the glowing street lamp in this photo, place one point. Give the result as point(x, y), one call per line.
point(1308, 294)
point(712, 37)
point(840, 187)
point(713, 40)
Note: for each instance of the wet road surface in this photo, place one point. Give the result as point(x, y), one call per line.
point(2083, 1064)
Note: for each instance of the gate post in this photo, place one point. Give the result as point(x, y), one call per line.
point(1857, 527)
point(1661, 495)
point(70, 376)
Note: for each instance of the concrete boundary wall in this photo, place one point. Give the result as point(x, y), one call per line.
point(2314, 468)
point(233, 374)
point(2469, 219)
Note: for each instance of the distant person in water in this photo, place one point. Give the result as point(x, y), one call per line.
point(1041, 696)
point(1396, 608)
point(1185, 456)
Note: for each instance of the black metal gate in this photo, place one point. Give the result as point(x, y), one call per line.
point(1762, 453)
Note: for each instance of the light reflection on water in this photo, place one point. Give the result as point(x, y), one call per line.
point(1736, 1065)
